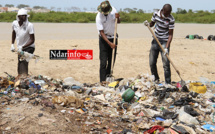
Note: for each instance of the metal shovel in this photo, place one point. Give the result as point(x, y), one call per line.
point(183, 83)
point(110, 77)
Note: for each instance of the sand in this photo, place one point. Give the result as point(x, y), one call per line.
point(193, 58)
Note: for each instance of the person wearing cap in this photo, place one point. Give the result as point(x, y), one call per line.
point(105, 23)
point(23, 32)
point(165, 24)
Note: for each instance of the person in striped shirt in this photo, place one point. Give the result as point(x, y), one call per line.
point(164, 32)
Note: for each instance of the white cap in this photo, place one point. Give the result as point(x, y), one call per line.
point(22, 11)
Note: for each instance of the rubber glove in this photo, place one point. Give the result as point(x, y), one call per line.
point(12, 48)
point(146, 23)
point(166, 51)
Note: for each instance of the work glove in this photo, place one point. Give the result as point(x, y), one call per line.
point(166, 51)
point(12, 48)
point(19, 48)
point(146, 23)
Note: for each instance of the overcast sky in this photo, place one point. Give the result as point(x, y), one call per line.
point(147, 5)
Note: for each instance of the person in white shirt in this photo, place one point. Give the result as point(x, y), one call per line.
point(105, 23)
point(23, 32)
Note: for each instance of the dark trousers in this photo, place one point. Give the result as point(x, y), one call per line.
point(153, 56)
point(105, 56)
point(23, 65)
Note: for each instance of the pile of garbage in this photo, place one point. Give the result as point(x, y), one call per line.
point(134, 105)
point(195, 36)
point(211, 37)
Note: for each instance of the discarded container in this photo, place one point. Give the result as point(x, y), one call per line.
point(197, 87)
point(128, 95)
point(191, 36)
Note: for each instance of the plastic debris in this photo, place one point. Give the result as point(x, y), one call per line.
point(133, 105)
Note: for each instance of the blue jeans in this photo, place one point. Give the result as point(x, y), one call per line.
point(153, 56)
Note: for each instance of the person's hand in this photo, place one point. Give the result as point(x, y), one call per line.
point(166, 51)
point(146, 23)
point(117, 15)
point(12, 48)
point(112, 45)
point(19, 48)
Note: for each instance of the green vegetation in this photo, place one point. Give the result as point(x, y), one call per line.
point(132, 17)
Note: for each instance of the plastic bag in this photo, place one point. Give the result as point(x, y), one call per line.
point(184, 117)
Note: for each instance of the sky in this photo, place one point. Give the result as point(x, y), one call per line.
point(146, 5)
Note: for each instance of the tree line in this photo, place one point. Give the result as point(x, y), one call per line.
point(23, 6)
point(126, 15)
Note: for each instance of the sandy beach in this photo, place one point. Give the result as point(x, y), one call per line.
point(193, 58)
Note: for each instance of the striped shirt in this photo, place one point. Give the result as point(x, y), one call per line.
point(163, 25)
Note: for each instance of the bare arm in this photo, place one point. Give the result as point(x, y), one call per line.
point(117, 16)
point(13, 36)
point(170, 38)
point(106, 39)
point(31, 41)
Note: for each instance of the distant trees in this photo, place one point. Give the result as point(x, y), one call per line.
point(127, 10)
point(52, 8)
point(9, 5)
point(85, 9)
point(181, 11)
point(22, 6)
point(140, 11)
point(81, 17)
point(39, 7)
point(0, 5)
point(190, 11)
point(59, 9)
point(75, 9)
point(134, 10)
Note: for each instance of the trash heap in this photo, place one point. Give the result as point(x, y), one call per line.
point(134, 105)
point(195, 36)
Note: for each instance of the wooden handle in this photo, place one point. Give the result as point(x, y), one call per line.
point(164, 51)
point(35, 56)
point(114, 42)
point(115, 31)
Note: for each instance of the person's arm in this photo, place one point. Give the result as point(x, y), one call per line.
point(117, 16)
point(112, 45)
point(170, 38)
point(13, 40)
point(13, 36)
point(31, 41)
